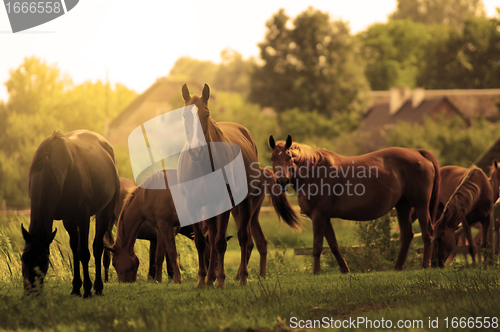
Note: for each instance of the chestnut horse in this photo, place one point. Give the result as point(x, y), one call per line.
point(495, 180)
point(72, 177)
point(155, 206)
point(143, 203)
point(146, 232)
point(200, 127)
point(470, 201)
point(360, 188)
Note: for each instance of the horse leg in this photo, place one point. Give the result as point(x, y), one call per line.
point(153, 270)
point(212, 233)
point(406, 231)
point(220, 247)
point(468, 235)
point(318, 224)
point(166, 238)
point(84, 254)
point(424, 219)
point(334, 246)
point(261, 242)
point(159, 256)
point(102, 221)
point(237, 218)
point(243, 238)
point(106, 259)
point(199, 240)
point(72, 229)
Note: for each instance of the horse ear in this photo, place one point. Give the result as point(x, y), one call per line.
point(205, 94)
point(109, 249)
point(272, 142)
point(52, 236)
point(495, 163)
point(289, 141)
point(26, 235)
point(185, 93)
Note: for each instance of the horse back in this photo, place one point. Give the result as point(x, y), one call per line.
point(92, 179)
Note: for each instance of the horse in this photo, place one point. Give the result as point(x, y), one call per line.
point(152, 201)
point(157, 207)
point(360, 188)
point(495, 180)
point(200, 127)
point(147, 231)
point(470, 201)
point(72, 177)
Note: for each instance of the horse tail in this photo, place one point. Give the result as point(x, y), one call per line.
point(434, 202)
point(280, 203)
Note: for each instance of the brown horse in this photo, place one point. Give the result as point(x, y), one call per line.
point(360, 188)
point(147, 231)
point(495, 180)
point(72, 177)
point(154, 202)
point(155, 206)
point(470, 200)
point(223, 141)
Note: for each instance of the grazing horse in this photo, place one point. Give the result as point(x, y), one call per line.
point(147, 231)
point(157, 207)
point(470, 201)
point(72, 177)
point(200, 127)
point(157, 204)
point(360, 188)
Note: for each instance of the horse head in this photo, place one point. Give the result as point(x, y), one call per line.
point(196, 121)
point(125, 263)
point(443, 243)
point(282, 160)
point(35, 259)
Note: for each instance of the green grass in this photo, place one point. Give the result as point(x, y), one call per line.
point(291, 290)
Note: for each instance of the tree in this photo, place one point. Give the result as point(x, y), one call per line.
point(452, 12)
point(311, 65)
point(465, 59)
point(233, 74)
point(186, 68)
point(393, 53)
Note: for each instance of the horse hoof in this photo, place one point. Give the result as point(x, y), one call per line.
point(200, 284)
point(243, 282)
point(238, 277)
point(345, 270)
point(74, 293)
point(87, 295)
point(98, 293)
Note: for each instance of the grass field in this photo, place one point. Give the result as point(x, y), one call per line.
point(290, 292)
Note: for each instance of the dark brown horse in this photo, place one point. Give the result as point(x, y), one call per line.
point(361, 188)
point(470, 200)
point(72, 177)
point(200, 127)
point(147, 231)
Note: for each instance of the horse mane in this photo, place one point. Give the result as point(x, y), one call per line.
point(462, 199)
point(303, 154)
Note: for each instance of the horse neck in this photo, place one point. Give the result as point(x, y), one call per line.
point(129, 222)
point(214, 133)
point(495, 185)
point(45, 192)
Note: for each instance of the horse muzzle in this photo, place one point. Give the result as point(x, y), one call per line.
point(283, 182)
point(196, 153)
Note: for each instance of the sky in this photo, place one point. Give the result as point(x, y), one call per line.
point(136, 42)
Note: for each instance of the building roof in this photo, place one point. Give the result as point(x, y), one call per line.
point(486, 159)
point(379, 115)
point(471, 102)
point(163, 96)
